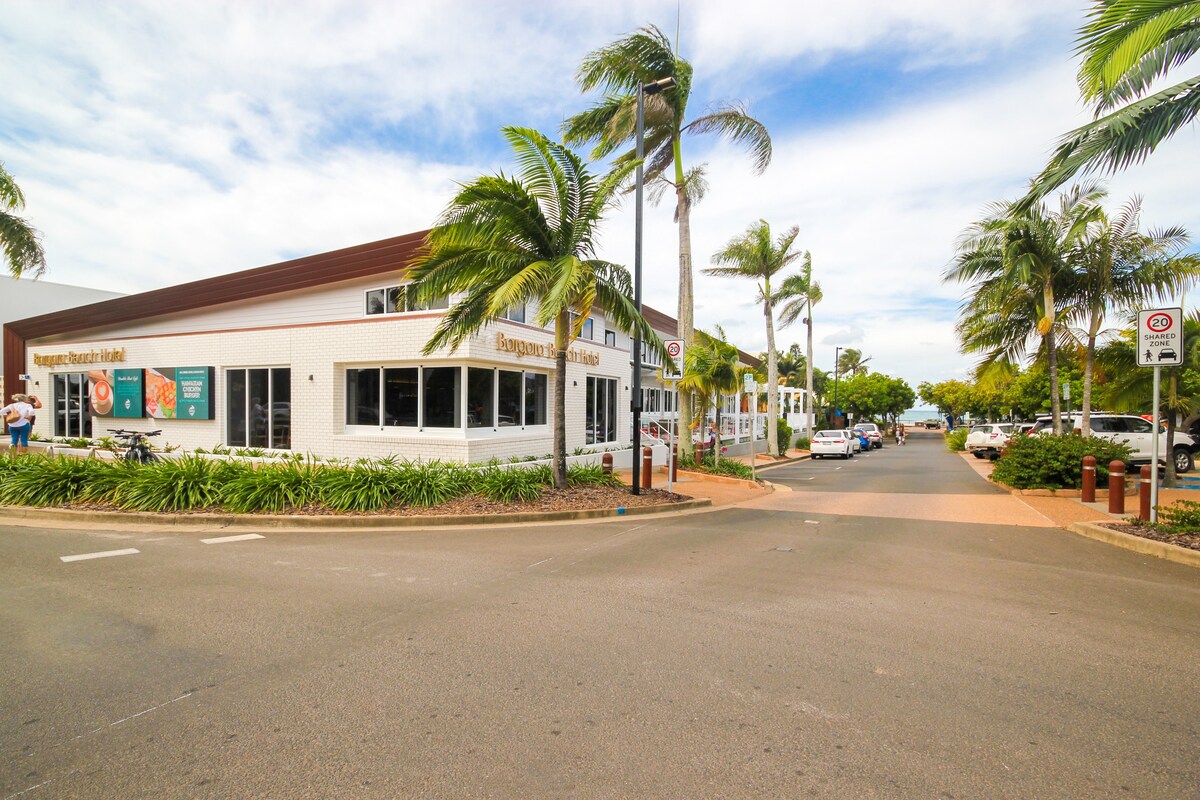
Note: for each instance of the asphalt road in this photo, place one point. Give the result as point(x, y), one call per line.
point(754, 652)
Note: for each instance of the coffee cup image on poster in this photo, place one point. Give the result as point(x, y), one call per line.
point(179, 392)
point(116, 393)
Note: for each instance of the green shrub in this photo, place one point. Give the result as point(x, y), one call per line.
point(1181, 517)
point(274, 489)
point(956, 440)
point(727, 466)
point(783, 436)
point(171, 485)
point(358, 488)
point(1054, 462)
point(512, 484)
point(803, 442)
point(591, 475)
point(429, 484)
point(45, 481)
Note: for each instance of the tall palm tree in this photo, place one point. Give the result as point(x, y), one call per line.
point(504, 241)
point(798, 294)
point(20, 241)
point(755, 256)
point(1119, 268)
point(851, 362)
point(618, 69)
point(1026, 251)
point(1126, 45)
point(711, 370)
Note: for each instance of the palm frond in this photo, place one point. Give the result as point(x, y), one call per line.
point(733, 123)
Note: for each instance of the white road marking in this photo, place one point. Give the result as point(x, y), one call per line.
point(812, 522)
point(543, 561)
point(106, 554)
point(245, 537)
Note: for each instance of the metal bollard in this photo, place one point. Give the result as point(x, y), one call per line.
point(674, 462)
point(1088, 493)
point(606, 463)
point(647, 466)
point(1144, 493)
point(1116, 487)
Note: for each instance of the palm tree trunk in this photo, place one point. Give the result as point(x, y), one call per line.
point(1052, 358)
point(686, 330)
point(717, 417)
point(808, 377)
point(772, 376)
point(1169, 448)
point(1089, 369)
point(561, 327)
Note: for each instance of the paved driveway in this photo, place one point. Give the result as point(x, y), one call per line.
point(753, 652)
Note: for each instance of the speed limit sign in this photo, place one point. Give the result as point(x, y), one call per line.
point(672, 369)
point(1160, 337)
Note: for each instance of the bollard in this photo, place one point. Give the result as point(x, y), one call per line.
point(1144, 493)
point(674, 463)
point(1116, 487)
point(1088, 494)
point(647, 466)
point(606, 463)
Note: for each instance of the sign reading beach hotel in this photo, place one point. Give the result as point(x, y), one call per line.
point(524, 347)
point(100, 356)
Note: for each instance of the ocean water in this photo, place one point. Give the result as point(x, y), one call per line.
point(919, 414)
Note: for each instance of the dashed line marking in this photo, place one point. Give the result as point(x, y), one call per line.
point(245, 537)
point(812, 522)
point(104, 554)
point(543, 561)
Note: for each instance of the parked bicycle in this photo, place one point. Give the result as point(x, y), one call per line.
point(136, 444)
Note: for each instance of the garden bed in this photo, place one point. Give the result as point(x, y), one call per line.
point(1190, 541)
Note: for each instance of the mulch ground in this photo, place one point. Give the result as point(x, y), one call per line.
point(1188, 540)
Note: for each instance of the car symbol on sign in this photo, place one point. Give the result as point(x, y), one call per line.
point(1167, 354)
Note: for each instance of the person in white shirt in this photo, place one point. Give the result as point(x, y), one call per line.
point(19, 426)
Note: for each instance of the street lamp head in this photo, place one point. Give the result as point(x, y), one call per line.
point(662, 84)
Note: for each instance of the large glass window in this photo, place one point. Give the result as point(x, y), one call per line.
point(481, 396)
point(509, 401)
point(601, 411)
point(72, 406)
point(442, 387)
point(259, 407)
point(400, 396)
point(535, 398)
point(362, 397)
point(399, 299)
point(516, 313)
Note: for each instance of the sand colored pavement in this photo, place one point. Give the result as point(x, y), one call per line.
point(997, 509)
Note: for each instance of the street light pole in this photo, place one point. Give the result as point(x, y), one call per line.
point(837, 352)
point(643, 89)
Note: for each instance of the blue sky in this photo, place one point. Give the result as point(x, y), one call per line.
point(163, 142)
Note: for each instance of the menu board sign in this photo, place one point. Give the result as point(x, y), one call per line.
point(127, 393)
point(115, 392)
point(179, 393)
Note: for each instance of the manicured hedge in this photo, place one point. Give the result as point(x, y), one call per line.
point(1054, 462)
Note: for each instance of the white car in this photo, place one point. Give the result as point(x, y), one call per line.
point(1134, 432)
point(831, 443)
point(855, 442)
point(874, 435)
point(986, 441)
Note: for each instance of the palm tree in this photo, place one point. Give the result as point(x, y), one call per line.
point(1025, 252)
point(798, 294)
point(1119, 268)
point(506, 241)
point(618, 69)
point(21, 243)
point(851, 362)
point(753, 255)
point(1126, 45)
point(711, 370)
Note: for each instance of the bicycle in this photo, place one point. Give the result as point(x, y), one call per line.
point(137, 448)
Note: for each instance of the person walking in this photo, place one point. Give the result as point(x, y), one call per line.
point(900, 433)
point(17, 415)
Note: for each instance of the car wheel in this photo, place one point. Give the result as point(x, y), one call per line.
point(992, 456)
point(977, 454)
point(1183, 461)
point(815, 456)
point(845, 456)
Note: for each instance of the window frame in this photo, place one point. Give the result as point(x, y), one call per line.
point(268, 405)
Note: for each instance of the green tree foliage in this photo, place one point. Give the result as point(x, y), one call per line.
point(876, 396)
point(19, 240)
point(506, 241)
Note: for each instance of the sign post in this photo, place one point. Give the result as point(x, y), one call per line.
point(1159, 344)
point(750, 385)
point(672, 371)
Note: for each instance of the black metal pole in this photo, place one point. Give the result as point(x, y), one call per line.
point(637, 294)
point(836, 371)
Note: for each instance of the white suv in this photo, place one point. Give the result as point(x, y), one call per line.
point(986, 441)
point(1135, 433)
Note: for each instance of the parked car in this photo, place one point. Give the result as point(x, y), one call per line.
point(1134, 432)
point(987, 441)
point(857, 439)
point(873, 433)
point(831, 443)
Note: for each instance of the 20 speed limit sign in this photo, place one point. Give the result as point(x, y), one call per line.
point(672, 369)
point(1160, 337)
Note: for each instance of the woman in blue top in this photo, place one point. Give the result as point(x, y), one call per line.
point(19, 428)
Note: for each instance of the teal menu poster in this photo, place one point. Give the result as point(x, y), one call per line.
point(193, 386)
point(128, 393)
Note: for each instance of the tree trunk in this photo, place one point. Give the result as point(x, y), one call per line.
point(717, 417)
point(808, 377)
point(561, 342)
point(686, 330)
point(772, 375)
point(1169, 448)
point(1089, 368)
point(1052, 358)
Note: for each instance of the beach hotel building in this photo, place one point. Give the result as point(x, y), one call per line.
point(322, 355)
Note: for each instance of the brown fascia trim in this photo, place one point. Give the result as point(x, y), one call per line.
point(360, 261)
